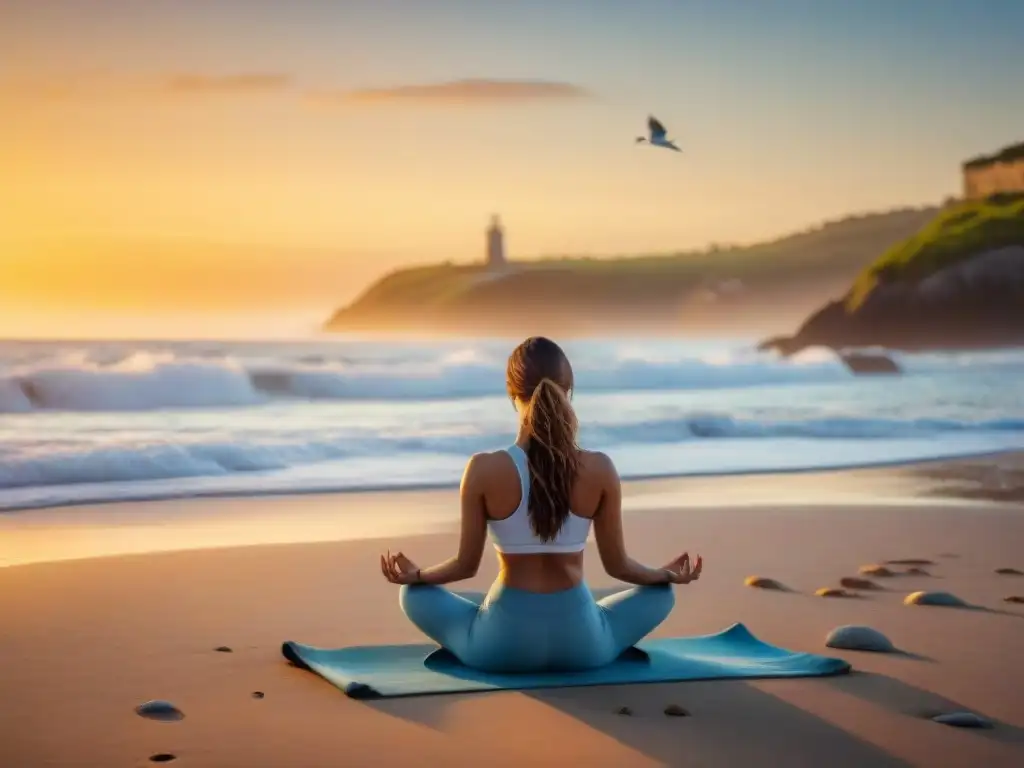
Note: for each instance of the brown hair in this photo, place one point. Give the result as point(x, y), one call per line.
point(539, 376)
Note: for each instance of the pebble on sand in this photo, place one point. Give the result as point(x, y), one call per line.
point(625, 711)
point(875, 570)
point(832, 592)
point(910, 561)
point(852, 637)
point(933, 598)
point(162, 757)
point(963, 720)
point(762, 583)
point(674, 710)
point(223, 649)
point(1009, 572)
point(852, 582)
point(159, 710)
point(1014, 599)
point(258, 694)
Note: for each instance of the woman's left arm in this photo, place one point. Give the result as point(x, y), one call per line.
point(471, 539)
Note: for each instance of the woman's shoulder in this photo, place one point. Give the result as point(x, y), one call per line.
point(489, 464)
point(597, 465)
point(491, 472)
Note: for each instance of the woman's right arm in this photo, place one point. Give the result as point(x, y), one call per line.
point(608, 531)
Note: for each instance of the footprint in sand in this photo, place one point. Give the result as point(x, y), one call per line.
point(674, 710)
point(851, 582)
point(910, 561)
point(1009, 572)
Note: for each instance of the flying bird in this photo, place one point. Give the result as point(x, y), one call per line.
point(657, 137)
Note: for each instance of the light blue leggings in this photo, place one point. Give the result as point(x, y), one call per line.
point(518, 631)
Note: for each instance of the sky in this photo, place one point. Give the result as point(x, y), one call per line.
point(173, 159)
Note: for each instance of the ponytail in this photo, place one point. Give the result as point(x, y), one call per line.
point(553, 457)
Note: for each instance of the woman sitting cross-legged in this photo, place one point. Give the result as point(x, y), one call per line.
point(539, 498)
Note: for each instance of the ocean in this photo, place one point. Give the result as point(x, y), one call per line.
point(114, 421)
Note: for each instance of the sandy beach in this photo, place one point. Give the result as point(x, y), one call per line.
point(85, 638)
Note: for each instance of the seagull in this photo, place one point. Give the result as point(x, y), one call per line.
point(657, 138)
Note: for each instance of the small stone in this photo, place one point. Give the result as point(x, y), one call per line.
point(625, 711)
point(762, 583)
point(674, 710)
point(223, 649)
point(852, 582)
point(162, 757)
point(909, 561)
point(879, 571)
point(1014, 599)
point(916, 572)
point(159, 710)
point(852, 637)
point(832, 592)
point(258, 694)
point(1009, 572)
point(963, 720)
point(933, 598)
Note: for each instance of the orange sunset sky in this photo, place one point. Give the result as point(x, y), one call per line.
point(172, 168)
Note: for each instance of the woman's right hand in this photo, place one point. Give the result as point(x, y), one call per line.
point(680, 571)
point(399, 569)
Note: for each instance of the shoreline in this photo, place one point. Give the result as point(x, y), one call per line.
point(105, 530)
point(1012, 456)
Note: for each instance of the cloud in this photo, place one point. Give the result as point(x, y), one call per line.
point(466, 92)
point(460, 92)
point(247, 82)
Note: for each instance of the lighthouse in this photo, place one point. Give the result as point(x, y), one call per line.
point(495, 244)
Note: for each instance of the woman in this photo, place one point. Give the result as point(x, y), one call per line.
point(539, 498)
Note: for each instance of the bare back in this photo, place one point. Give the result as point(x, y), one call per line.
point(501, 495)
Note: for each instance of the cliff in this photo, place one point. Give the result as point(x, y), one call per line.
point(957, 283)
point(723, 287)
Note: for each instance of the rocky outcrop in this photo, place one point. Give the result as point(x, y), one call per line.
point(977, 302)
point(862, 363)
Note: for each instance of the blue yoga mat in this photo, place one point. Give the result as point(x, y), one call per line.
point(384, 671)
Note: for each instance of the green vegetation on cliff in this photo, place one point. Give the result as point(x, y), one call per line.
point(651, 289)
point(959, 232)
point(1005, 155)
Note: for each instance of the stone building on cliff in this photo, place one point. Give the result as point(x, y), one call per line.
point(495, 256)
point(992, 174)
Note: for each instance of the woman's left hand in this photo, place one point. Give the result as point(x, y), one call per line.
point(399, 569)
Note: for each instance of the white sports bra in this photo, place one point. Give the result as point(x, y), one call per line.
point(514, 535)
